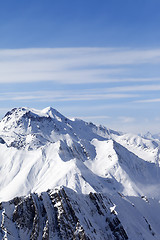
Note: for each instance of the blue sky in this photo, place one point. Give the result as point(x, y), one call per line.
point(97, 60)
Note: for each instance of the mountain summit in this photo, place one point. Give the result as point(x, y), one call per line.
point(30, 128)
point(41, 150)
point(24, 127)
point(44, 149)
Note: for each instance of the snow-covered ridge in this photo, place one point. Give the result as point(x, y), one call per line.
point(44, 149)
point(112, 179)
point(24, 127)
point(151, 136)
point(46, 112)
point(30, 128)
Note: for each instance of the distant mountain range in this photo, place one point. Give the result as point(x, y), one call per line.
point(69, 179)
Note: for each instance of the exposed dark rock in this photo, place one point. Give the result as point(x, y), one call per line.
point(2, 141)
point(56, 215)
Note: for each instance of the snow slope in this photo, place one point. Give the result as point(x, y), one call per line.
point(44, 149)
point(41, 150)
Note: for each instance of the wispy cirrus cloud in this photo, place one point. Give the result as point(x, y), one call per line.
point(125, 119)
point(92, 117)
point(105, 55)
point(62, 96)
point(73, 65)
point(153, 100)
point(90, 82)
point(150, 87)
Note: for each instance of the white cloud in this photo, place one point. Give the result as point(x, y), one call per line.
point(125, 119)
point(155, 100)
point(92, 117)
point(134, 88)
point(98, 56)
point(72, 65)
point(62, 96)
point(12, 74)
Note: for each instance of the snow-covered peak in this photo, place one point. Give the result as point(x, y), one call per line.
point(46, 112)
point(33, 128)
point(85, 157)
point(53, 113)
point(151, 136)
point(42, 149)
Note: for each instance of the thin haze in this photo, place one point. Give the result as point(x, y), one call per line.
point(96, 60)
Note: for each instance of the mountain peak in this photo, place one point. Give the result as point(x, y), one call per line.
point(41, 149)
point(24, 126)
point(53, 113)
point(46, 112)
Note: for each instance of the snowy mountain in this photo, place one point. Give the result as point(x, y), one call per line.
point(41, 150)
point(149, 135)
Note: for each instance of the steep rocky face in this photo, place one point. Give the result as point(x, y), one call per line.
point(63, 214)
point(60, 214)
